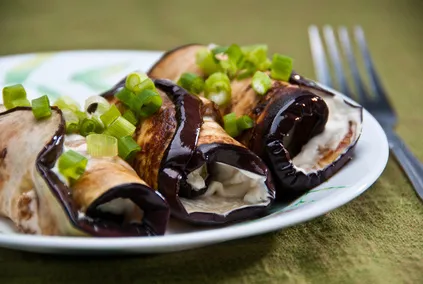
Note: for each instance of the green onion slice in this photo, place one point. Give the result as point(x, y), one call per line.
point(244, 122)
point(110, 115)
point(120, 127)
point(206, 61)
point(230, 124)
point(130, 116)
point(96, 104)
point(20, 103)
point(218, 88)
point(235, 54)
point(219, 49)
point(256, 54)
point(229, 67)
point(191, 82)
point(72, 121)
point(125, 96)
point(261, 83)
point(89, 126)
point(127, 147)
point(101, 145)
point(229, 58)
point(41, 107)
point(265, 65)
point(72, 164)
point(81, 115)
point(66, 102)
point(14, 96)
point(133, 80)
point(150, 101)
point(147, 84)
point(281, 68)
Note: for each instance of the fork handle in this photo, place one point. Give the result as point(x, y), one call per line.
point(410, 164)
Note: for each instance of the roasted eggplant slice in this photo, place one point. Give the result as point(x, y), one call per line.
point(206, 176)
point(108, 200)
point(303, 132)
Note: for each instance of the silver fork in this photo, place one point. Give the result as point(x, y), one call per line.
point(378, 104)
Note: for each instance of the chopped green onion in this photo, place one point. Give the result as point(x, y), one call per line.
point(218, 88)
point(125, 96)
point(244, 122)
point(235, 54)
point(72, 164)
point(109, 116)
point(130, 116)
point(229, 58)
point(229, 67)
point(206, 61)
point(96, 104)
point(72, 121)
point(265, 65)
point(134, 79)
point(191, 82)
point(256, 54)
point(150, 101)
point(14, 96)
point(281, 68)
point(261, 83)
point(230, 124)
point(120, 127)
point(66, 102)
point(219, 50)
point(20, 103)
point(89, 126)
point(81, 115)
point(147, 84)
point(127, 147)
point(101, 145)
point(41, 107)
point(72, 128)
point(246, 73)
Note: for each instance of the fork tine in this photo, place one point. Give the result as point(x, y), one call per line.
point(375, 83)
point(336, 59)
point(346, 46)
point(319, 57)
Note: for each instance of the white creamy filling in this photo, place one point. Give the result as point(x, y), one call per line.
point(118, 206)
point(230, 189)
point(123, 206)
point(337, 127)
point(195, 179)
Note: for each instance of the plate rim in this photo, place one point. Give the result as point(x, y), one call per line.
point(195, 239)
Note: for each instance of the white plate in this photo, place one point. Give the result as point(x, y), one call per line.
point(84, 73)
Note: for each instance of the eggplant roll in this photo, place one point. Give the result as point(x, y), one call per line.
point(206, 176)
point(109, 199)
point(303, 132)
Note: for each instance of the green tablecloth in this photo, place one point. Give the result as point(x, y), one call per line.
point(377, 238)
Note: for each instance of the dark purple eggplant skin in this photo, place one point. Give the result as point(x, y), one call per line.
point(156, 210)
point(297, 79)
point(182, 157)
point(275, 149)
point(290, 123)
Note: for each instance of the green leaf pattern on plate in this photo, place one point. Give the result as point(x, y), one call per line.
point(20, 72)
point(49, 91)
point(97, 78)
